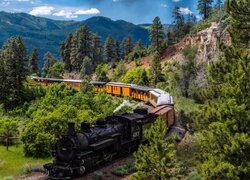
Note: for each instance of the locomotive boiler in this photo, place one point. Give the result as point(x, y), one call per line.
point(79, 151)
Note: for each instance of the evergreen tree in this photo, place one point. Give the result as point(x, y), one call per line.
point(156, 34)
point(117, 50)
point(128, 45)
point(218, 4)
point(66, 51)
point(205, 7)
point(84, 46)
point(188, 69)
point(86, 67)
point(179, 23)
point(15, 71)
point(156, 160)
point(109, 50)
point(49, 61)
point(144, 81)
point(3, 94)
point(87, 86)
point(34, 61)
point(225, 118)
point(139, 46)
point(156, 68)
point(73, 53)
point(97, 49)
point(101, 73)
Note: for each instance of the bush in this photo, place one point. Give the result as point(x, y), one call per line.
point(125, 169)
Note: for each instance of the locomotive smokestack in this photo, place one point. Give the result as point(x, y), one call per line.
point(71, 128)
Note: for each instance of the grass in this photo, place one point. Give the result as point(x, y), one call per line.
point(124, 169)
point(14, 163)
point(186, 104)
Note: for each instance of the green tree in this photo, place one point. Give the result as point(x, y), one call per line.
point(128, 45)
point(8, 130)
point(139, 46)
point(205, 8)
point(49, 61)
point(15, 71)
point(101, 73)
point(117, 50)
point(86, 85)
point(188, 70)
point(97, 49)
point(225, 118)
point(156, 34)
point(65, 52)
point(156, 68)
point(109, 49)
point(34, 61)
point(179, 23)
point(137, 75)
point(86, 67)
point(156, 160)
point(56, 71)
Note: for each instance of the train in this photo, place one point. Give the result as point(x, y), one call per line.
point(162, 101)
point(78, 152)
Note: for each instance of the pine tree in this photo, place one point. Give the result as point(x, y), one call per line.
point(117, 51)
point(3, 89)
point(49, 61)
point(156, 160)
point(179, 23)
point(34, 61)
point(218, 4)
point(156, 68)
point(205, 8)
point(73, 53)
point(156, 34)
point(109, 50)
point(15, 71)
point(84, 46)
point(66, 51)
point(128, 45)
point(225, 118)
point(87, 86)
point(97, 49)
point(86, 67)
point(139, 46)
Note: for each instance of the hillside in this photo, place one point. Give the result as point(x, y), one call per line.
point(207, 41)
point(47, 34)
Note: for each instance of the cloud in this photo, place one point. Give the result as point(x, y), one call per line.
point(42, 10)
point(87, 11)
point(176, 0)
point(65, 14)
point(185, 11)
point(164, 5)
point(22, 0)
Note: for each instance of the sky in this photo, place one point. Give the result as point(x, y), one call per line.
point(135, 11)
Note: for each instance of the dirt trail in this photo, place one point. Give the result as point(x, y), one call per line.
point(104, 173)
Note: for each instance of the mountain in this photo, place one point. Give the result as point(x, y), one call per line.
point(47, 34)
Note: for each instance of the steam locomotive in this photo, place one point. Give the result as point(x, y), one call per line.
point(78, 152)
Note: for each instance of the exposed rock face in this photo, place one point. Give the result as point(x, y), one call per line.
point(208, 41)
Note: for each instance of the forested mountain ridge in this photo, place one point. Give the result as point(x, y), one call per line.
point(47, 34)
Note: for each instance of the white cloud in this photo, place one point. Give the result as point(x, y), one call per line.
point(87, 11)
point(42, 10)
point(22, 0)
point(185, 11)
point(164, 5)
point(176, 0)
point(66, 14)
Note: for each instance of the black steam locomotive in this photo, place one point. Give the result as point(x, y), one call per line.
point(77, 152)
